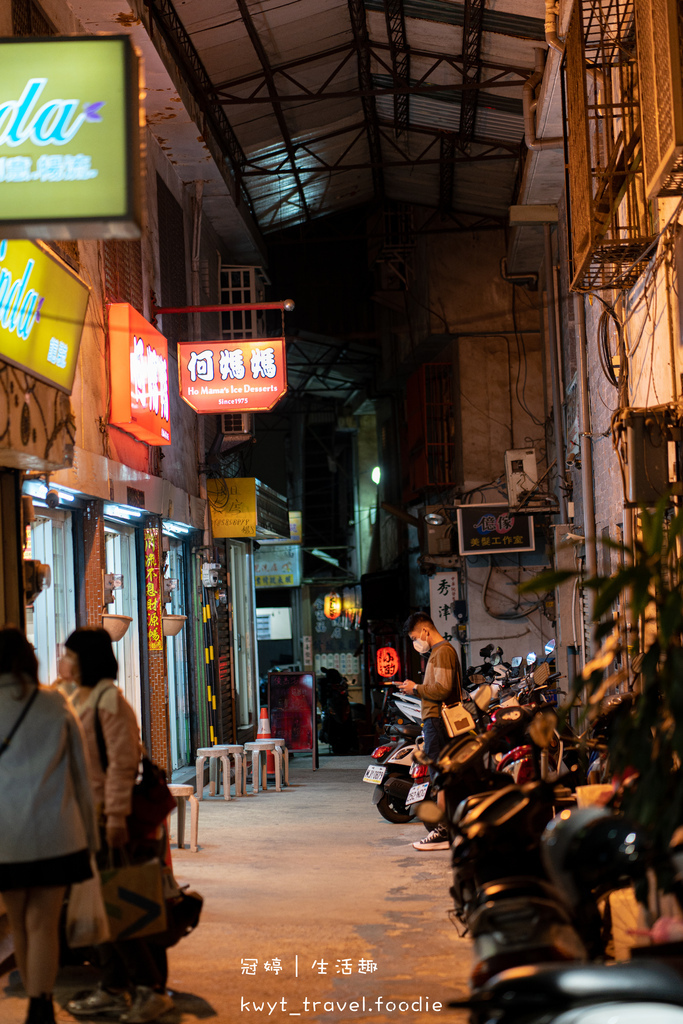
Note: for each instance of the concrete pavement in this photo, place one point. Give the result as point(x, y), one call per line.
point(315, 909)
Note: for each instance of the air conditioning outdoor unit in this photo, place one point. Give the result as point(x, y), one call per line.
point(234, 423)
point(521, 473)
point(658, 31)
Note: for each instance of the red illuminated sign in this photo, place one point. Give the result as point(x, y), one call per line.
point(233, 376)
point(138, 357)
point(388, 662)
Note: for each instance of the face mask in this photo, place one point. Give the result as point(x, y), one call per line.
point(421, 646)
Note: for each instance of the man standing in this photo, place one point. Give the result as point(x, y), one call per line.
point(442, 684)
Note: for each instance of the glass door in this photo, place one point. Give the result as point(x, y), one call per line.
point(244, 641)
point(53, 615)
point(119, 543)
point(177, 660)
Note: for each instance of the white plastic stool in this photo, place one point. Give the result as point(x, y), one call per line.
point(276, 745)
point(223, 753)
point(182, 794)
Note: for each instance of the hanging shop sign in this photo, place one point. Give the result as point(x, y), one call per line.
point(487, 529)
point(277, 565)
point(42, 311)
point(155, 640)
point(233, 506)
point(233, 376)
point(388, 662)
point(69, 138)
point(138, 360)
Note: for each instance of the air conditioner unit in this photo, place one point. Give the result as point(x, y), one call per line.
point(661, 95)
point(521, 473)
point(234, 423)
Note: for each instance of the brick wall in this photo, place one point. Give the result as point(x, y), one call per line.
point(93, 543)
point(158, 710)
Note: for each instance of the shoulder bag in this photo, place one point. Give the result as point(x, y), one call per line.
point(4, 744)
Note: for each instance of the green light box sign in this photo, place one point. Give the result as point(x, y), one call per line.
point(69, 138)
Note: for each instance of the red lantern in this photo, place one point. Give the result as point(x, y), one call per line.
point(333, 605)
point(388, 662)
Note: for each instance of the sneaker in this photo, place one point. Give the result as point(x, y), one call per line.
point(100, 1000)
point(147, 1005)
point(436, 840)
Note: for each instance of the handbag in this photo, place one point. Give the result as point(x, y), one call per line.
point(456, 718)
point(182, 917)
point(134, 900)
point(87, 923)
point(152, 800)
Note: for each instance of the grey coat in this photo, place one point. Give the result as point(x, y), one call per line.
point(46, 807)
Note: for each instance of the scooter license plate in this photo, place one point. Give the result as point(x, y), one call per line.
point(417, 793)
point(374, 774)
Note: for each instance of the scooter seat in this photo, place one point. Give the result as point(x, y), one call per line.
point(523, 989)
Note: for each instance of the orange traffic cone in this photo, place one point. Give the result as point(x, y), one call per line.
point(264, 733)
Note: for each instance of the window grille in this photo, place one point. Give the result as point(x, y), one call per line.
point(240, 286)
point(123, 272)
point(29, 20)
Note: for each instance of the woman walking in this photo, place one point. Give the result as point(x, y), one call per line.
point(114, 748)
point(45, 805)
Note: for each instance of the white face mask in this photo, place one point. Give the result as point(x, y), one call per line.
point(421, 646)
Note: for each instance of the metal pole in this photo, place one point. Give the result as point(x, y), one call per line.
point(554, 373)
point(586, 459)
point(287, 305)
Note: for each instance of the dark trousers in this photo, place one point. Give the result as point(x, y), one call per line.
point(435, 738)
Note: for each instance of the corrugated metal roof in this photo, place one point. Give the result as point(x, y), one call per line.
point(294, 103)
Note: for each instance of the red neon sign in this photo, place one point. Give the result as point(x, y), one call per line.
point(388, 662)
point(233, 376)
point(138, 357)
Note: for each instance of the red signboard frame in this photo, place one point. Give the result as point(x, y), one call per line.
point(138, 359)
point(232, 376)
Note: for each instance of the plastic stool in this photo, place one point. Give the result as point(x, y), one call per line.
point(223, 752)
point(277, 746)
point(182, 795)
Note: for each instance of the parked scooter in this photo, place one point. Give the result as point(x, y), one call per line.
point(393, 757)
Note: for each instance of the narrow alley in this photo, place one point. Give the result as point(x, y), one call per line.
point(315, 879)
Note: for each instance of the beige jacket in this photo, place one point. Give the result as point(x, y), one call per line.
point(442, 680)
point(112, 792)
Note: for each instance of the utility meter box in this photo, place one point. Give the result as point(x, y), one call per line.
point(210, 571)
point(649, 456)
point(521, 473)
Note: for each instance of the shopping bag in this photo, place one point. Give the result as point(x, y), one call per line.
point(456, 718)
point(134, 900)
point(87, 923)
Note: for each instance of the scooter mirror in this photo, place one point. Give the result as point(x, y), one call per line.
point(531, 658)
point(549, 647)
point(428, 812)
point(516, 662)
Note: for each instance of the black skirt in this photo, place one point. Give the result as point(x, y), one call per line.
point(53, 871)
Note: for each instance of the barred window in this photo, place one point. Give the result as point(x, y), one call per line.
point(123, 272)
point(29, 20)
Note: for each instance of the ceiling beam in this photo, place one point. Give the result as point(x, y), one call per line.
point(363, 51)
point(274, 99)
point(471, 50)
point(400, 60)
point(447, 158)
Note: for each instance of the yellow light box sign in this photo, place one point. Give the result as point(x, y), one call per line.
point(69, 138)
point(233, 506)
point(42, 312)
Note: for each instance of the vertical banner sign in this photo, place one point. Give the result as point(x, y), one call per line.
point(155, 641)
point(138, 360)
point(69, 138)
point(443, 593)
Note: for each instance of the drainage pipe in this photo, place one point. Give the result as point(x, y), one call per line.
point(551, 36)
point(529, 104)
point(586, 461)
point(554, 373)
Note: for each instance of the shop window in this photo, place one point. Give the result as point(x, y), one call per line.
point(119, 542)
point(53, 615)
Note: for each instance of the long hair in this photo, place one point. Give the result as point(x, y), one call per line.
point(17, 658)
point(96, 659)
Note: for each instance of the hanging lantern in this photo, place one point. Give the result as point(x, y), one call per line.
point(388, 662)
point(333, 605)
